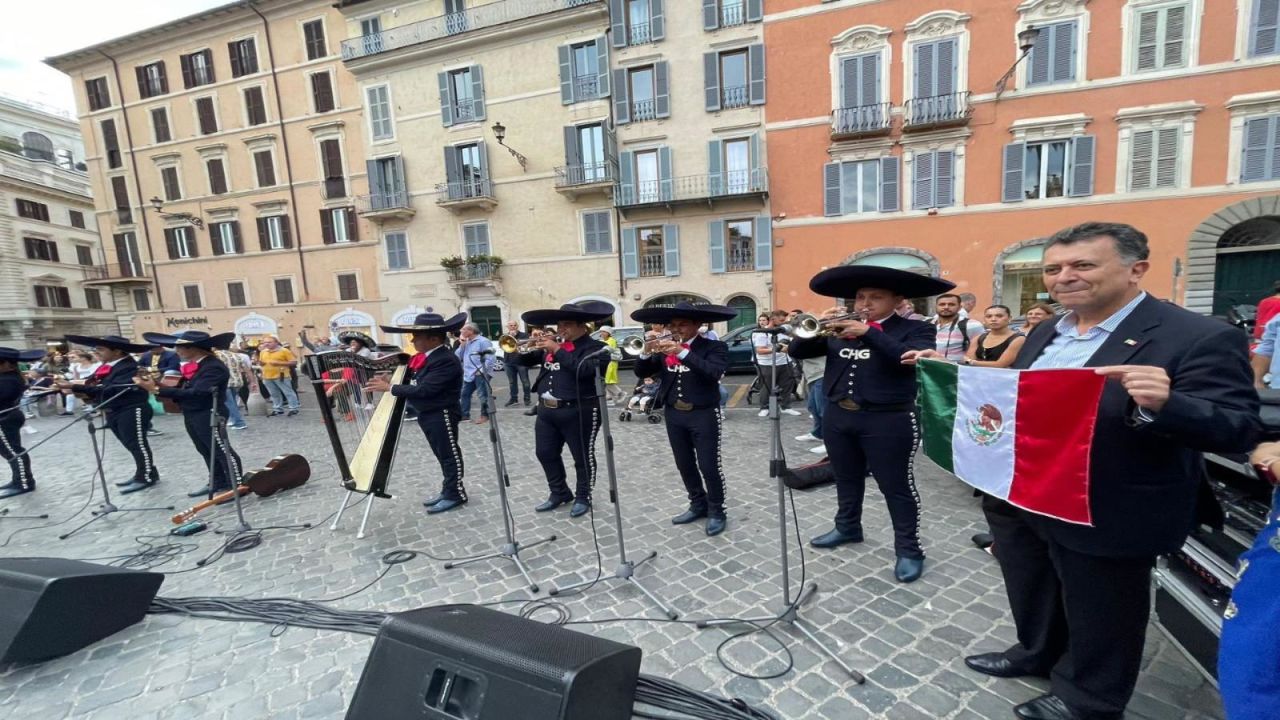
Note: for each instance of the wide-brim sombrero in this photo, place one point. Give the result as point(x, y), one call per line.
point(700, 312)
point(191, 338)
point(428, 322)
point(16, 355)
point(115, 342)
point(347, 336)
point(587, 311)
point(845, 281)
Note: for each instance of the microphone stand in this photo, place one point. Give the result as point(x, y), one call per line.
point(214, 446)
point(790, 612)
point(626, 569)
point(511, 549)
point(107, 507)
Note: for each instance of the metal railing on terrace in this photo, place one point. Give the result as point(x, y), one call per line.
point(861, 119)
point(692, 188)
point(464, 190)
point(936, 110)
point(652, 265)
point(442, 26)
point(115, 271)
point(377, 202)
point(571, 175)
point(473, 272)
point(732, 13)
point(735, 97)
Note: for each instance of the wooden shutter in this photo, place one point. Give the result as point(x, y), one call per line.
point(831, 191)
point(602, 68)
point(657, 20)
point(1264, 33)
point(755, 71)
point(1174, 36)
point(208, 120)
point(1261, 144)
point(215, 236)
point(755, 10)
point(671, 250)
point(322, 92)
point(326, 227)
point(630, 256)
point(1014, 156)
point(193, 247)
point(662, 90)
point(944, 178)
point(572, 154)
point(715, 167)
point(286, 235)
point(764, 243)
point(160, 124)
point(237, 241)
point(140, 73)
point(890, 171)
point(377, 183)
point(265, 168)
point(121, 192)
point(925, 71)
point(626, 179)
point(1064, 52)
point(666, 182)
point(452, 173)
point(188, 72)
point(1040, 63)
point(565, 54)
point(922, 182)
point(1167, 150)
point(711, 80)
point(1142, 147)
point(217, 176)
point(710, 14)
point(621, 98)
point(352, 235)
point(1081, 170)
point(617, 23)
point(111, 143)
point(715, 245)
point(53, 250)
point(171, 243)
point(446, 99)
point(477, 93)
point(315, 40)
point(255, 105)
point(264, 234)
point(1147, 48)
point(237, 68)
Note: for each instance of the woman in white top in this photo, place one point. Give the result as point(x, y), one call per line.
point(83, 366)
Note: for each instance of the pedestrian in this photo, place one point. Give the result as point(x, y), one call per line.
point(236, 379)
point(517, 374)
point(1035, 315)
point(12, 388)
point(955, 331)
point(476, 353)
point(276, 362)
point(611, 389)
point(770, 359)
point(1268, 308)
point(82, 368)
point(812, 371)
point(968, 301)
point(999, 345)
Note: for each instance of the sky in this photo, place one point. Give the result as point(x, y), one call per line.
point(36, 29)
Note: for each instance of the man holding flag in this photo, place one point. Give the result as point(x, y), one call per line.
point(1177, 385)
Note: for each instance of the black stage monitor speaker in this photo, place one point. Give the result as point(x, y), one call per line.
point(50, 607)
point(462, 662)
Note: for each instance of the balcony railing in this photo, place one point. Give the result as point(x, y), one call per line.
point(861, 120)
point(335, 189)
point(442, 26)
point(587, 87)
point(643, 110)
point(473, 272)
point(639, 34)
point(732, 13)
point(115, 272)
point(735, 97)
point(574, 175)
point(464, 112)
point(741, 261)
point(384, 202)
point(464, 190)
point(652, 266)
point(937, 110)
point(693, 188)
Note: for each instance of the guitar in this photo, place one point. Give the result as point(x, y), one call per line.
point(284, 472)
point(170, 405)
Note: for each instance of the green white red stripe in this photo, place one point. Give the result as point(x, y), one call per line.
point(1021, 435)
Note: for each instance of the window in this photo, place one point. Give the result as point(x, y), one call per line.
point(734, 78)
point(596, 235)
point(93, 298)
point(33, 210)
point(737, 166)
point(740, 245)
point(864, 186)
point(1053, 58)
point(169, 179)
point(379, 105)
point(235, 294)
point(120, 192)
point(313, 38)
point(197, 69)
point(151, 80)
point(587, 160)
point(76, 218)
point(1261, 158)
point(1045, 170)
point(141, 299)
point(648, 179)
point(933, 95)
point(335, 185)
point(584, 71)
point(244, 57)
point(652, 252)
point(264, 166)
point(160, 125)
point(1153, 159)
point(98, 93)
point(1057, 168)
point(338, 226)
point(255, 106)
point(37, 146)
point(475, 239)
point(111, 144)
point(284, 290)
point(274, 233)
point(455, 19)
point(52, 296)
point(1264, 28)
point(1161, 43)
point(386, 183)
point(371, 35)
point(322, 92)
point(206, 116)
point(466, 172)
point(84, 255)
point(127, 255)
point(462, 95)
point(861, 107)
point(397, 251)
point(181, 242)
point(643, 93)
point(191, 297)
point(643, 23)
point(933, 179)
point(41, 249)
point(348, 288)
point(217, 176)
point(226, 238)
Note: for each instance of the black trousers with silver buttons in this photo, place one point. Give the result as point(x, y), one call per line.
point(576, 427)
point(695, 442)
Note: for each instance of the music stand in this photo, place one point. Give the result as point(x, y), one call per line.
point(510, 550)
point(790, 613)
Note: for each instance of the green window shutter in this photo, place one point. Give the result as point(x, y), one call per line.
point(764, 243)
point(715, 244)
point(566, 74)
point(630, 257)
point(715, 167)
point(671, 249)
point(477, 93)
point(446, 99)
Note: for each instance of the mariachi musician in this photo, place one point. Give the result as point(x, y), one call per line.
point(434, 391)
point(870, 420)
point(568, 411)
point(688, 367)
point(203, 401)
point(12, 386)
point(125, 407)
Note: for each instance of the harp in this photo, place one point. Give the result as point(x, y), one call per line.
point(364, 431)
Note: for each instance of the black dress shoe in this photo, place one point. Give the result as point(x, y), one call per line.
point(134, 487)
point(553, 502)
point(12, 491)
point(445, 505)
point(716, 525)
point(983, 540)
point(908, 569)
point(432, 500)
point(997, 664)
point(531, 411)
point(689, 516)
point(579, 509)
point(1045, 707)
point(511, 402)
point(202, 492)
point(126, 483)
point(835, 538)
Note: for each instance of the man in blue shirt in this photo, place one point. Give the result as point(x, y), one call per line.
point(1265, 361)
point(476, 352)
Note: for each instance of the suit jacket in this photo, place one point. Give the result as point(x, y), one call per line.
point(119, 380)
point(881, 378)
point(12, 386)
point(437, 385)
point(1145, 476)
point(697, 376)
point(205, 390)
point(167, 361)
point(561, 374)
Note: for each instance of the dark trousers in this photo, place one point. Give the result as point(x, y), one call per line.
point(1081, 618)
point(515, 372)
point(786, 385)
point(441, 429)
point(11, 450)
point(226, 463)
point(885, 443)
point(573, 426)
point(695, 441)
point(129, 425)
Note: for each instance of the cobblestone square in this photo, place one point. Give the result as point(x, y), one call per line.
point(909, 640)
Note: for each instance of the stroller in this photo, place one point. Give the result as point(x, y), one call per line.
point(645, 402)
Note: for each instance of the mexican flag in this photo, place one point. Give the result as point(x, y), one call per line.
point(1021, 435)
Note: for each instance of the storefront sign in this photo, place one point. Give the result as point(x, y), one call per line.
point(186, 321)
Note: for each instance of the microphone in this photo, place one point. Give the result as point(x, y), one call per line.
point(487, 351)
point(601, 351)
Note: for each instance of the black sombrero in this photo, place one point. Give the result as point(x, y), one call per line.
point(701, 312)
point(115, 342)
point(845, 281)
point(347, 336)
point(191, 338)
point(428, 322)
point(15, 355)
point(586, 311)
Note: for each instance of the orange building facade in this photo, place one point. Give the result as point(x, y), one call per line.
point(899, 137)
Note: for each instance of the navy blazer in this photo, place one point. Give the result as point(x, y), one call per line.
point(1145, 476)
point(12, 386)
point(437, 385)
point(875, 358)
point(696, 379)
point(116, 388)
point(167, 362)
point(206, 390)
point(562, 377)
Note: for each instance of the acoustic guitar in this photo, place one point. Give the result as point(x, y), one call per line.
point(284, 472)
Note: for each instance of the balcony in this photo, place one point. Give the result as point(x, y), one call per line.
point(575, 180)
point(642, 110)
point(474, 273)
point(652, 265)
point(394, 205)
point(861, 121)
point(639, 34)
point(116, 274)
point(735, 97)
point(694, 189)
point(466, 194)
point(453, 24)
point(732, 13)
point(741, 260)
point(586, 87)
point(938, 111)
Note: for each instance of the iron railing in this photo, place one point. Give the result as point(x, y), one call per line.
point(586, 87)
point(936, 110)
point(732, 13)
point(464, 190)
point(652, 265)
point(473, 272)
point(115, 271)
point(464, 112)
point(861, 119)
point(378, 202)
point(642, 110)
point(639, 34)
point(589, 174)
point(741, 260)
point(692, 188)
point(735, 97)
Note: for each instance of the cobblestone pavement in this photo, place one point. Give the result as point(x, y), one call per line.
point(908, 640)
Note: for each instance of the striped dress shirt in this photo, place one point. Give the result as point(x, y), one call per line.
point(1072, 349)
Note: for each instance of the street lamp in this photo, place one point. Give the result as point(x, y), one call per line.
point(158, 205)
point(500, 132)
point(1026, 41)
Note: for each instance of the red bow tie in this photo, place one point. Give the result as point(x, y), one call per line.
point(417, 361)
point(189, 369)
point(875, 325)
point(566, 346)
point(672, 360)
point(102, 371)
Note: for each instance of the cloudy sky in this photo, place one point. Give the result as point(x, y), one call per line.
point(35, 29)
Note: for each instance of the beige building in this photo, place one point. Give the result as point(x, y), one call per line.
point(225, 150)
point(49, 244)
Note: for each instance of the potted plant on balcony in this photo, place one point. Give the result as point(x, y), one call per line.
point(452, 262)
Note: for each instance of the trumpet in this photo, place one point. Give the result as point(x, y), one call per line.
point(510, 344)
point(806, 326)
point(635, 344)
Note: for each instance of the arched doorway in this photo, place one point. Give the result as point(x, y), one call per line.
point(1019, 276)
point(746, 309)
point(1248, 263)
